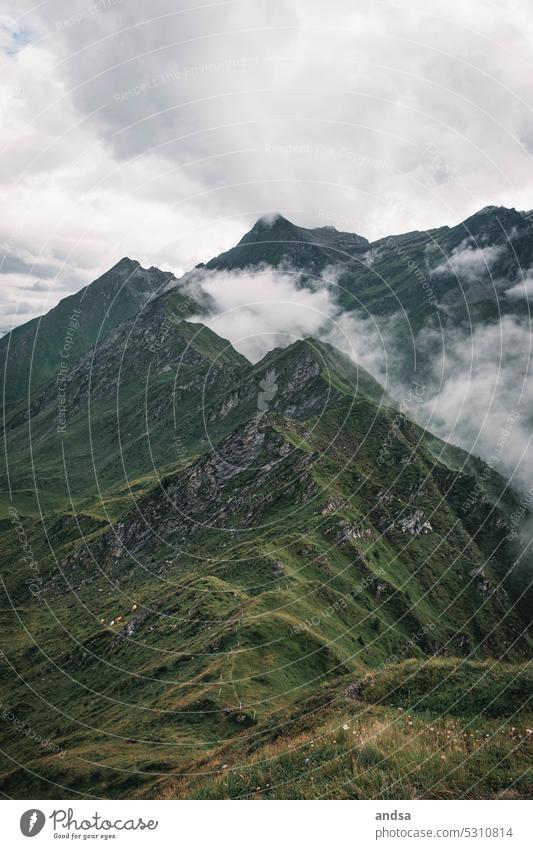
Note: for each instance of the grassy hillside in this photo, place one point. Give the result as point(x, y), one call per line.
point(226, 580)
point(285, 569)
point(33, 353)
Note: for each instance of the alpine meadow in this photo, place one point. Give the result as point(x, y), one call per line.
point(266, 373)
point(266, 578)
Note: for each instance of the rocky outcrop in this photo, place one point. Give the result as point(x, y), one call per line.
point(415, 524)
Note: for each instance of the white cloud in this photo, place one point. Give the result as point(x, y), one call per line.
point(162, 129)
point(468, 263)
point(480, 394)
point(522, 290)
point(262, 309)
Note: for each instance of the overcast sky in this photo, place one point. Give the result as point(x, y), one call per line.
point(161, 129)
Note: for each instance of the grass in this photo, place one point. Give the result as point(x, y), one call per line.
point(370, 753)
point(325, 746)
point(252, 622)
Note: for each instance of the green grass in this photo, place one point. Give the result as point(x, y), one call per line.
point(263, 582)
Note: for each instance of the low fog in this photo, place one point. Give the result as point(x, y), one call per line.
point(478, 384)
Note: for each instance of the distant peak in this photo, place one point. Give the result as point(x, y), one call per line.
point(272, 228)
point(274, 240)
point(269, 219)
point(272, 221)
point(493, 210)
point(308, 347)
point(129, 272)
point(125, 264)
point(126, 261)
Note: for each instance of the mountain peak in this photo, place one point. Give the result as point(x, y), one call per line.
point(276, 228)
point(339, 371)
point(125, 264)
point(272, 228)
point(492, 212)
point(274, 239)
point(271, 219)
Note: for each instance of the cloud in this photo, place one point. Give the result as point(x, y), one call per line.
point(38, 286)
point(262, 309)
point(468, 263)
point(11, 264)
point(478, 387)
point(478, 383)
point(522, 290)
point(164, 129)
point(481, 393)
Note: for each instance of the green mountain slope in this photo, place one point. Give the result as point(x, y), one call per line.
point(401, 272)
point(225, 579)
point(33, 352)
point(279, 567)
point(446, 280)
point(156, 392)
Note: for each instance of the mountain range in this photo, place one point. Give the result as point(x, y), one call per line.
point(225, 578)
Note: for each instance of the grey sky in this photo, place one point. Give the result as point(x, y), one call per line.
point(161, 130)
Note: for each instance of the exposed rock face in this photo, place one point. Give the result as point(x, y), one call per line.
point(415, 525)
point(348, 533)
point(278, 568)
point(302, 392)
point(228, 404)
point(353, 691)
point(334, 505)
point(298, 388)
point(253, 461)
point(305, 371)
point(275, 558)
